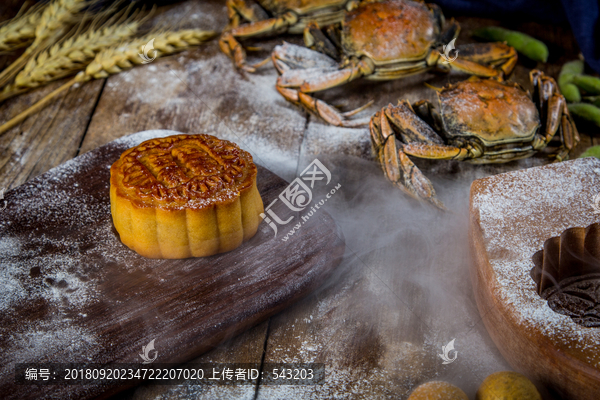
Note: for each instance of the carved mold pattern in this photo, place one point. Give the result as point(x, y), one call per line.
point(567, 274)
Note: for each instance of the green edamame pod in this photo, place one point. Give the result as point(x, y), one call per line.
point(565, 80)
point(571, 92)
point(593, 151)
point(590, 84)
point(595, 100)
point(586, 111)
point(574, 67)
point(524, 44)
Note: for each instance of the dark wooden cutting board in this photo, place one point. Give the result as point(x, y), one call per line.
point(70, 291)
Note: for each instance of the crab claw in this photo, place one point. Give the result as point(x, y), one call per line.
point(397, 166)
point(417, 183)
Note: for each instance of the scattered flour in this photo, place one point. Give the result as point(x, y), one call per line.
point(48, 272)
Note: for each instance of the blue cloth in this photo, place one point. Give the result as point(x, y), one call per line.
point(582, 15)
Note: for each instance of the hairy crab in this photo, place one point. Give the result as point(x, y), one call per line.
point(479, 120)
point(382, 40)
point(272, 17)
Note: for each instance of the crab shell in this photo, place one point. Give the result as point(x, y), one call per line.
point(390, 32)
point(498, 114)
point(300, 7)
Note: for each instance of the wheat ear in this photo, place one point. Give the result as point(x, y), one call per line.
point(54, 22)
point(71, 55)
point(58, 14)
point(119, 58)
point(20, 31)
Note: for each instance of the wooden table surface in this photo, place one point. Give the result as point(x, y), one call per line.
point(403, 290)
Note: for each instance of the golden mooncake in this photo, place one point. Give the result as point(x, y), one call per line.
point(184, 196)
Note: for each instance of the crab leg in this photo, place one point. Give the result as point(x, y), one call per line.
point(499, 55)
point(462, 65)
point(317, 72)
point(397, 166)
point(557, 116)
point(234, 50)
point(421, 140)
point(452, 29)
point(435, 151)
point(397, 169)
point(359, 109)
point(409, 125)
point(321, 108)
point(321, 79)
point(559, 120)
point(238, 10)
point(570, 135)
point(315, 39)
point(427, 112)
point(309, 80)
point(489, 60)
point(288, 57)
point(556, 104)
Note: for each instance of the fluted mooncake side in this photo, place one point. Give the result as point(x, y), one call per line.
point(184, 196)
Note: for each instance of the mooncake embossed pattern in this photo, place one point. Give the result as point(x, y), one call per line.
point(185, 196)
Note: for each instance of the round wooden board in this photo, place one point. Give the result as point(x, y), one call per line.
point(511, 216)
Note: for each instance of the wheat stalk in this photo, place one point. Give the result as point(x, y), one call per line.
point(20, 31)
point(53, 23)
point(56, 16)
point(72, 55)
point(119, 58)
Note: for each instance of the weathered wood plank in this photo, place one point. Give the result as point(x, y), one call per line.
point(48, 138)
